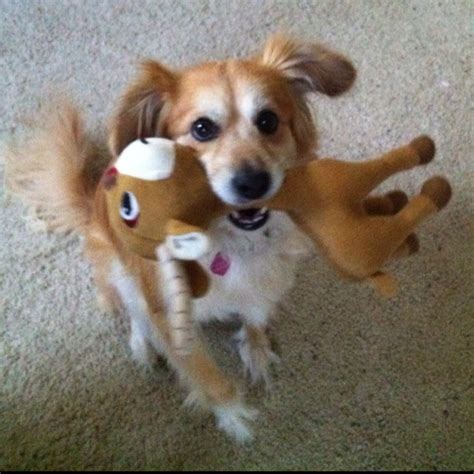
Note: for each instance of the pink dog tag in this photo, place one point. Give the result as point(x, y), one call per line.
point(220, 265)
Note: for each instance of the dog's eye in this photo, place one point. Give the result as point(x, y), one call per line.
point(204, 129)
point(267, 122)
point(129, 209)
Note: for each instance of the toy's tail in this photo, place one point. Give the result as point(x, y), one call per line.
point(178, 298)
point(55, 170)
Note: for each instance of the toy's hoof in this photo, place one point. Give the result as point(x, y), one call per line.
point(412, 243)
point(386, 284)
point(425, 148)
point(438, 190)
point(399, 200)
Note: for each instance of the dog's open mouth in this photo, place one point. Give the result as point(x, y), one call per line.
point(250, 219)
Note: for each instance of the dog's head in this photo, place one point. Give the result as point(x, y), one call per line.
point(248, 119)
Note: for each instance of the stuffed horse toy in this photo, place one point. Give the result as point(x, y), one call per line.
point(160, 204)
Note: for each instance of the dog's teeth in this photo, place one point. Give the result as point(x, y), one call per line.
point(263, 210)
point(236, 214)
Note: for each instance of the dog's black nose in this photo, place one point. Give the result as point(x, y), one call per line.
point(251, 183)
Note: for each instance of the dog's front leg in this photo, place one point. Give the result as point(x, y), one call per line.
point(209, 386)
point(256, 353)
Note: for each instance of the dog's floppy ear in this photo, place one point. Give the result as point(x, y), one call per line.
point(310, 67)
point(139, 109)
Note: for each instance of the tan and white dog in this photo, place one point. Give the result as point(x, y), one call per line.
point(249, 121)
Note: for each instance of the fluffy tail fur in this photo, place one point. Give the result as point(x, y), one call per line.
point(55, 170)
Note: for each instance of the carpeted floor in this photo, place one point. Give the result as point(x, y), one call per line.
point(364, 383)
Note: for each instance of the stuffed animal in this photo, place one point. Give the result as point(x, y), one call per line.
point(158, 192)
point(159, 198)
point(160, 204)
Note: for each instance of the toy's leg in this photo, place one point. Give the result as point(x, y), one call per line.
point(384, 283)
point(410, 246)
point(371, 241)
point(368, 175)
point(435, 194)
point(390, 204)
point(388, 236)
point(255, 352)
point(185, 241)
point(386, 205)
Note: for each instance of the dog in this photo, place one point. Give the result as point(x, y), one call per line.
point(249, 120)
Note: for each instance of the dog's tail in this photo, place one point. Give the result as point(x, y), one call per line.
point(55, 169)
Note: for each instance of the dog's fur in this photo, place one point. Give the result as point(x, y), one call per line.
point(56, 173)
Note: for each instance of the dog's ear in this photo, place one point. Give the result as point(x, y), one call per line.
point(310, 67)
point(138, 114)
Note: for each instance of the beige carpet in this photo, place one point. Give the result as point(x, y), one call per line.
point(364, 383)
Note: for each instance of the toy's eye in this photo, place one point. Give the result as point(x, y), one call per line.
point(129, 209)
point(267, 122)
point(204, 129)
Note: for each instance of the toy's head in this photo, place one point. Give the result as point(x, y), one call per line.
point(158, 191)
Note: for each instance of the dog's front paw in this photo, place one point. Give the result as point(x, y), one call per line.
point(234, 420)
point(142, 352)
point(257, 357)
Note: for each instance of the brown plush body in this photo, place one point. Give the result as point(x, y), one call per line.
point(324, 197)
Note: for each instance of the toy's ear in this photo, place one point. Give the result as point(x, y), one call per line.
point(309, 67)
point(149, 159)
point(141, 108)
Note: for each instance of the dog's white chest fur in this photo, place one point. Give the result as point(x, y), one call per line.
point(261, 268)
